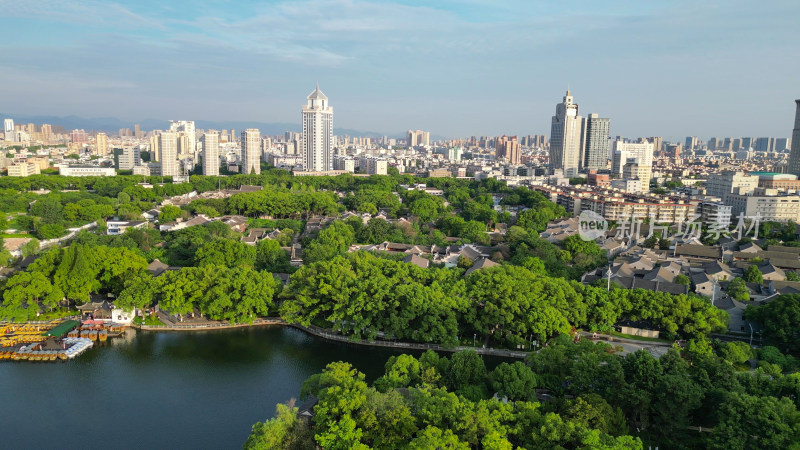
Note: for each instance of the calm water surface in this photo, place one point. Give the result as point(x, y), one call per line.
point(167, 390)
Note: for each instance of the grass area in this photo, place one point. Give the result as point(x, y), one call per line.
point(16, 235)
point(636, 338)
point(149, 320)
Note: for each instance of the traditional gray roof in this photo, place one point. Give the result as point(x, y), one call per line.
point(417, 261)
point(482, 263)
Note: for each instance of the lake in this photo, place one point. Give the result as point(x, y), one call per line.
point(167, 389)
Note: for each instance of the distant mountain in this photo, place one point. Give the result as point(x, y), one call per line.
point(113, 125)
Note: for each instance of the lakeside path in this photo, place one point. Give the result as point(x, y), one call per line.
point(325, 334)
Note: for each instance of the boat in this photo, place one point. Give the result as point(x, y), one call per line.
point(102, 335)
point(93, 335)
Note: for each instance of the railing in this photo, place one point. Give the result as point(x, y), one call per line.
point(325, 334)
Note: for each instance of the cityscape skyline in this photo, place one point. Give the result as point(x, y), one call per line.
point(78, 63)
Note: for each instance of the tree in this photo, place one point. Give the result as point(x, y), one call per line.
point(30, 248)
point(753, 275)
point(276, 432)
point(515, 381)
point(682, 279)
point(780, 319)
point(738, 290)
point(433, 437)
point(225, 252)
point(271, 257)
point(735, 352)
point(169, 213)
point(331, 242)
point(756, 422)
point(25, 292)
point(791, 275)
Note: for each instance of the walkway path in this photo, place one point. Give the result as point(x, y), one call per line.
point(325, 334)
point(631, 345)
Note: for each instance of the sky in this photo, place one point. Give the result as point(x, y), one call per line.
point(456, 68)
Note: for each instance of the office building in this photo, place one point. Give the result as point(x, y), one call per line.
point(23, 169)
point(251, 151)
point(782, 144)
point(8, 125)
point(779, 181)
point(187, 145)
point(47, 132)
point(317, 141)
point(418, 138)
point(85, 171)
point(168, 153)
point(691, 143)
point(211, 153)
point(129, 158)
point(723, 184)
point(769, 204)
point(595, 143)
point(101, 144)
point(794, 155)
point(565, 138)
point(508, 148)
point(765, 144)
point(640, 153)
point(78, 136)
point(631, 171)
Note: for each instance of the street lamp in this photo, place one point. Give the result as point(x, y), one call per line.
point(751, 333)
point(474, 335)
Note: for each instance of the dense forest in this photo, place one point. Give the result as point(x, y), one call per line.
point(568, 395)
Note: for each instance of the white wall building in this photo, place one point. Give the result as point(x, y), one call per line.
point(624, 152)
point(185, 128)
point(317, 142)
point(565, 138)
point(85, 171)
point(168, 152)
point(723, 184)
point(211, 153)
point(251, 151)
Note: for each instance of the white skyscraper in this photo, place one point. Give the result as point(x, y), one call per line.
point(168, 150)
point(8, 125)
point(186, 127)
point(317, 133)
point(211, 153)
point(251, 151)
point(565, 138)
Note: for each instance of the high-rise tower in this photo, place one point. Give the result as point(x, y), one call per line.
point(595, 142)
point(251, 151)
point(187, 145)
point(168, 153)
point(794, 156)
point(317, 133)
point(565, 137)
point(211, 153)
point(101, 144)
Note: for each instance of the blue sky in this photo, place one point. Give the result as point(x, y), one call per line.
point(456, 68)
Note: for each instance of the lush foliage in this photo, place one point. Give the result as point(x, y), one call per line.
point(362, 295)
point(781, 321)
point(594, 399)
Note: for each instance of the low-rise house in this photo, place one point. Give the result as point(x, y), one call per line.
point(703, 284)
point(117, 227)
point(482, 263)
point(664, 272)
point(179, 225)
point(417, 261)
point(717, 270)
point(770, 272)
